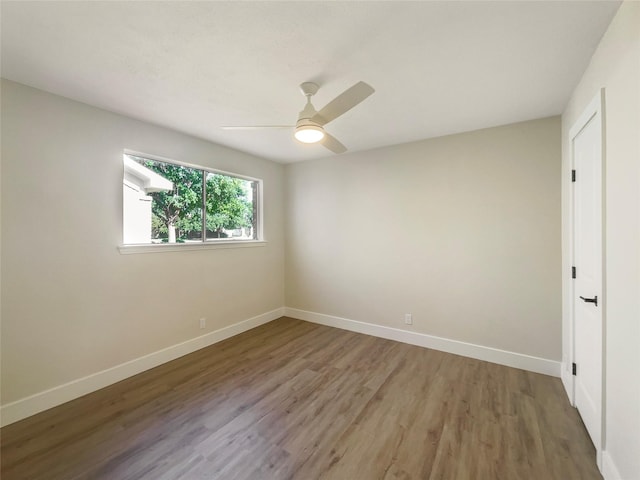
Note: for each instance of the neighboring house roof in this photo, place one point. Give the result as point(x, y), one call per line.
point(150, 181)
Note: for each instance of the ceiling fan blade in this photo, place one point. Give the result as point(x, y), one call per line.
point(343, 103)
point(254, 127)
point(332, 144)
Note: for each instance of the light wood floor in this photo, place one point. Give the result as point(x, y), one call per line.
point(294, 400)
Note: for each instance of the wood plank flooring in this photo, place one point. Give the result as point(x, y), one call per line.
point(294, 400)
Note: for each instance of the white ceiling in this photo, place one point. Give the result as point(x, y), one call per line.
point(437, 67)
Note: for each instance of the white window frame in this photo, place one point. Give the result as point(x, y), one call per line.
point(213, 243)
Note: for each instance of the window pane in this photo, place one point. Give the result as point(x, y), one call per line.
point(162, 202)
point(230, 206)
point(165, 202)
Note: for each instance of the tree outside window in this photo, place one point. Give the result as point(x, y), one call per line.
point(189, 202)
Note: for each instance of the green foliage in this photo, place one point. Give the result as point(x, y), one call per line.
point(227, 206)
point(180, 207)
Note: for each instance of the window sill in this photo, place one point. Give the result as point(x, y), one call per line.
point(183, 247)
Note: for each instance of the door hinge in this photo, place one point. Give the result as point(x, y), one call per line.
point(574, 369)
point(573, 175)
point(573, 272)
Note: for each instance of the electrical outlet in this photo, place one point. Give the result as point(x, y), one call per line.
point(203, 322)
point(408, 319)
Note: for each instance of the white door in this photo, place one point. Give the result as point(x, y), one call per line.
point(586, 147)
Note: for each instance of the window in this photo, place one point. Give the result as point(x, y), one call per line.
point(166, 202)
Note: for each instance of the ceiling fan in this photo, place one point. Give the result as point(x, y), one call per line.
point(310, 125)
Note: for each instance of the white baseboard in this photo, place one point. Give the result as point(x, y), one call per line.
point(609, 469)
point(493, 355)
point(25, 407)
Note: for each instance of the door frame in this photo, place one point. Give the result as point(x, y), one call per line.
point(594, 108)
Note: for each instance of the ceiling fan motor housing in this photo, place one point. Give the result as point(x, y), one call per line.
point(308, 131)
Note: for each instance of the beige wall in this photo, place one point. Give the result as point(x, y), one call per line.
point(72, 305)
point(461, 231)
point(616, 67)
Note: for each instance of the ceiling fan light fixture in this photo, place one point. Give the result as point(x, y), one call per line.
point(309, 133)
